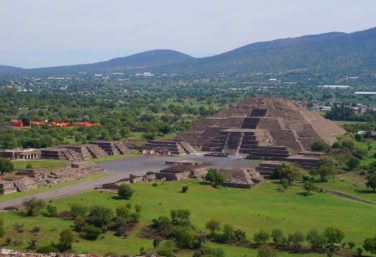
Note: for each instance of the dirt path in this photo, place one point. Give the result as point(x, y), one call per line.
point(343, 195)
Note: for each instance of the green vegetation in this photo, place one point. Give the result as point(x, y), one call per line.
point(251, 211)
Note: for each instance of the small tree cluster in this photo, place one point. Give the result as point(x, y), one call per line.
point(215, 178)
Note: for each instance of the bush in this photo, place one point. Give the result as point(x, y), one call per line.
point(79, 223)
point(78, 210)
point(266, 251)
point(90, 232)
point(278, 237)
point(51, 211)
point(66, 240)
point(125, 192)
point(184, 189)
point(214, 178)
point(33, 207)
point(100, 216)
point(296, 239)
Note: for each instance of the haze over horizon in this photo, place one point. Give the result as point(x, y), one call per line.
point(51, 33)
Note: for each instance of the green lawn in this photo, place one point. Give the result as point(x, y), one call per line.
point(47, 164)
point(45, 188)
point(263, 207)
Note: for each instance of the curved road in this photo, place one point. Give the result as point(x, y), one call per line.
point(122, 168)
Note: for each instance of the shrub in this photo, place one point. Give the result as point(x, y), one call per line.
point(33, 207)
point(184, 189)
point(125, 192)
point(90, 232)
point(334, 235)
point(370, 244)
point(214, 178)
point(79, 223)
point(266, 251)
point(78, 210)
point(181, 217)
point(213, 226)
point(51, 211)
point(371, 182)
point(100, 216)
point(66, 240)
point(317, 241)
point(28, 166)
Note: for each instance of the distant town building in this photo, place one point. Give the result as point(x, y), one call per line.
point(334, 86)
point(365, 93)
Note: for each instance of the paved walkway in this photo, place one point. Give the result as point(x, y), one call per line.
point(122, 168)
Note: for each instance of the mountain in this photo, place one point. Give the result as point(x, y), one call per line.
point(9, 69)
point(141, 61)
point(330, 52)
point(333, 52)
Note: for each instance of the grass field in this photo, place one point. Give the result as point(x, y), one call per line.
point(47, 164)
point(366, 145)
point(263, 207)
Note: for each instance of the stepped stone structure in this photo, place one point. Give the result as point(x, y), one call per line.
point(261, 125)
point(241, 178)
point(111, 147)
point(171, 147)
point(20, 154)
point(7, 187)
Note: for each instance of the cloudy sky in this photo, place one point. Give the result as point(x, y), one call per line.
point(38, 33)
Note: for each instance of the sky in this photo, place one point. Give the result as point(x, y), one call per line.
point(43, 33)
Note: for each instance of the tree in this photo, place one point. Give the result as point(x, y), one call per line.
point(261, 237)
point(353, 163)
point(326, 168)
point(317, 241)
point(371, 182)
point(309, 187)
point(33, 207)
point(213, 226)
point(125, 192)
point(239, 235)
point(278, 237)
point(66, 240)
point(370, 244)
point(6, 166)
point(333, 235)
point(296, 239)
point(287, 171)
point(320, 146)
point(214, 177)
point(266, 251)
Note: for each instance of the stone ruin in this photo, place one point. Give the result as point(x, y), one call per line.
point(82, 152)
point(241, 178)
point(20, 154)
point(28, 179)
point(172, 147)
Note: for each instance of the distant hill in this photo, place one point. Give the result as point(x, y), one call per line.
point(9, 69)
point(328, 53)
point(141, 61)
